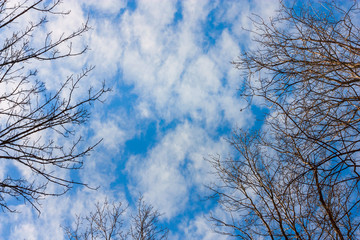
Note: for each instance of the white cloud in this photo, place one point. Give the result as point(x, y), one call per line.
point(200, 228)
point(174, 75)
point(159, 178)
point(25, 231)
point(172, 167)
point(114, 129)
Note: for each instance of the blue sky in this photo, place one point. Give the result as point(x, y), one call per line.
point(174, 100)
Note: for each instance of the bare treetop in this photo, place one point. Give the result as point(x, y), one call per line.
point(108, 222)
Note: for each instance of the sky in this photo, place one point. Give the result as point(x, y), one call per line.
point(174, 101)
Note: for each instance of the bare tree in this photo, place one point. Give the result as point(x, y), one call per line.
point(29, 112)
point(266, 194)
point(107, 222)
point(298, 176)
point(145, 224)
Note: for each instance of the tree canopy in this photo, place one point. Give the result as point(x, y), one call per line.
point(298, 175)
